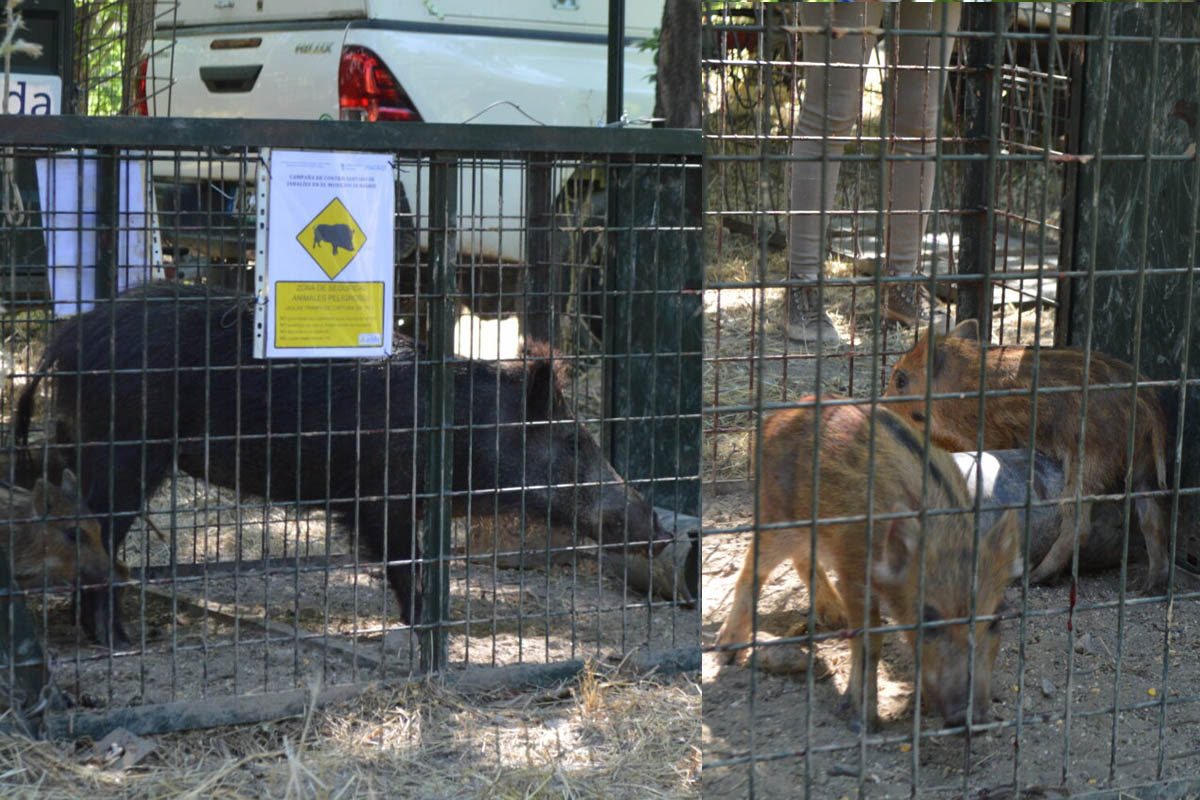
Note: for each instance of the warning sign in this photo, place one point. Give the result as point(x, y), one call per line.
point(324, 255)
point(328, 314)
point(333, 238)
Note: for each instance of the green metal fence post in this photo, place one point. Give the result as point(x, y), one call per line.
point(541, 290)
point(655, 330)
point(436, 431)
point(108, 233)
point(616, 60)
point(980, 100)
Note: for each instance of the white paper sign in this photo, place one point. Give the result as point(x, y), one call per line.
point(29, 93)
point(70, 231)
point(325, 266)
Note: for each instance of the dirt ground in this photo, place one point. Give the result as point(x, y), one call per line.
point(766, 715)
point(211, 635)
point(1060, 732)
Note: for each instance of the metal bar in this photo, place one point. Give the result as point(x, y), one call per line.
point(212, 712)
point(208, 712)
point(108, 192)
point(267, 566)
point(616, 60)
point(496, 140)
point(975, 254)
point(439, 475)
point(1070, 201)
point(541, 288)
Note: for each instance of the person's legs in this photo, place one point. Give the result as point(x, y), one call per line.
point(915, 125)
point(830, 107)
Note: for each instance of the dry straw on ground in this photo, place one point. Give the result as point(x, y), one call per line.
point(609, 734)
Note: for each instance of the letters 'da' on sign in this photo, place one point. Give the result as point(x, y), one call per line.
point(324, 270)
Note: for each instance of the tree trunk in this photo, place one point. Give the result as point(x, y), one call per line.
point(677, 87)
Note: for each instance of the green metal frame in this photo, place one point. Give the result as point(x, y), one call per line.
point(667, 428)
point(490, 140)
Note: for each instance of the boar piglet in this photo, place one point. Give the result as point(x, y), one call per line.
point(948, 670)
point(953, 424)
point(54, 540)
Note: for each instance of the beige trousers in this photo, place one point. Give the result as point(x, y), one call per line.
point(831, 105)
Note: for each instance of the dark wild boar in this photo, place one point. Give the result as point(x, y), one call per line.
point(168, 372)
point(1006, 425)
point(787, 445)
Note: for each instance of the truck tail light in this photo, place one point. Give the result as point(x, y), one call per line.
point(368, 91)
point(140, 106)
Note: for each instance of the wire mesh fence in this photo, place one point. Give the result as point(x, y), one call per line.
point(929, 643)
point(274, 521)
point(998, 520)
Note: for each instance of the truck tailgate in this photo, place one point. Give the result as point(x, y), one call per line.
point(278, 74)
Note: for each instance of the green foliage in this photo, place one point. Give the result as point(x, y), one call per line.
point(650, 43)
point(100, 45)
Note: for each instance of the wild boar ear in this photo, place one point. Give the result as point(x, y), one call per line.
point(70, 484)
point(900, 542)
point(967, 329)
point(539, 389)
point(1004, 543)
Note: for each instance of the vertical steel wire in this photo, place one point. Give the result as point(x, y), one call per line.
point(888, 23)
point(1089, 315)
point(1130, 436)
point(1035, 377)
point(986, 255)
point(926, 438)
point(759, 344)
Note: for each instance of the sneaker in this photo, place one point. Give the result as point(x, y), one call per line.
point(807, 322)
point(909, 304)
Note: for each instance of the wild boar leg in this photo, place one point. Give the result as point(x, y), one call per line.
point(1059, 556)
point(826, 600)
point(864, 666)
point(772, 547)
point(1154, 531)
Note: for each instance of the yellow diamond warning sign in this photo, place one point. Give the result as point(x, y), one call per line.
point(339, 207)
point(332, 238)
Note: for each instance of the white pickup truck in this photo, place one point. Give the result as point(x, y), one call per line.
point(520, 62)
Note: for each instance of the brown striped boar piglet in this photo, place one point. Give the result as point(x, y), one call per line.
point(53, 539)
point(789, 439)
point(953, 425)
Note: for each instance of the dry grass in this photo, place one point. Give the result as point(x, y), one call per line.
point(610, 734)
